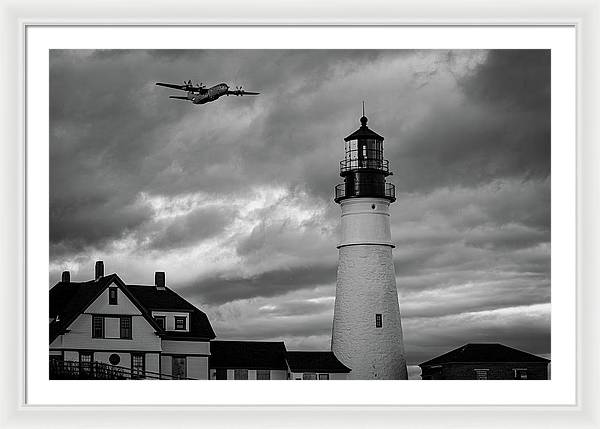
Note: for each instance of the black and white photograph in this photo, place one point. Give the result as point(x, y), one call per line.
point(300, 214)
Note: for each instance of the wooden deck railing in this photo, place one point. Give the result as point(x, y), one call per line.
point(73, 370)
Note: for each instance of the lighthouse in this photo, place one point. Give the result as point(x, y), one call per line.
point(367, 330)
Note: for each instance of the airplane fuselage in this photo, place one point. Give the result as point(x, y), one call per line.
point(211, 94)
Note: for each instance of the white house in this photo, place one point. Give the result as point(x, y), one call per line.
point(116, 330)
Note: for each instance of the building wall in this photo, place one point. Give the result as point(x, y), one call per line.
point(363, 224)
point(197, 367)
point(166, 367)
point(279, 374)
point(152, 363)
point(332, 375)
point(496, 371)
point(80, 337)
point(275, 374)
point(71, 355)
point(124, 305)
point(186, 347)
point(125, 358)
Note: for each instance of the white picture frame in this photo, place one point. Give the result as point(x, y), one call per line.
point(584, 16)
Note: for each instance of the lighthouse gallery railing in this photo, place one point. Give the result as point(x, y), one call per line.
point(361, 189)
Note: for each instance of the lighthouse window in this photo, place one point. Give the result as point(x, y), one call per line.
point(378, 321)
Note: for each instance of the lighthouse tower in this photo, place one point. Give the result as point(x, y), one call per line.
point(367, 331)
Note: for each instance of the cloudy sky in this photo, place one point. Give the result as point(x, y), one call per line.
point(234, 199)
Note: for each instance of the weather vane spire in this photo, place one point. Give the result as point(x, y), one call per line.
point(363, 107)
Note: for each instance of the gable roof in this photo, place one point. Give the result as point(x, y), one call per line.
point(154, 299)
point(484, 352)
point(315, 362)
point(69, 299)
point(247, 355)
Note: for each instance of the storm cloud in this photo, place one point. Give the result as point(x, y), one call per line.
point(233, 199)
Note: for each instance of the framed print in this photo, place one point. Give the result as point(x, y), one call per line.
point(178, 185)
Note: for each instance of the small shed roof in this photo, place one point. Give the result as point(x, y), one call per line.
point(315, 361)
point(248, 355)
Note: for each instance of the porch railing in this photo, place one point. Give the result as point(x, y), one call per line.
point(73, 370)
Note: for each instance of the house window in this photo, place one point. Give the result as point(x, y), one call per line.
point(520, 373)
point(112, 296)
point(85, 363)
point(481, 374)
point(323, 376)
point(240, 374)
point(378, 322)
point(221, 374)
point(309, 376)
point(137, 365)
point(180, 323)
point(97, 327)
point(160, 321)
point(263, 374)
point(179, 367)
point(125, 327)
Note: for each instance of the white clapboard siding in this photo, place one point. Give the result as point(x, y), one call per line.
point(80, 337)
point(186, 347)
point(197, 367)
point(124, 306)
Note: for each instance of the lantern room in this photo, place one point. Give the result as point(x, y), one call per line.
point(363, 168)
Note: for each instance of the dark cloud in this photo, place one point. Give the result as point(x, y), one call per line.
point(499, 129)
point(79, 222)
point(518, 78)
point(271, 283)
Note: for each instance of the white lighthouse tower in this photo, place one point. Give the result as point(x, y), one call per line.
point(367, 331)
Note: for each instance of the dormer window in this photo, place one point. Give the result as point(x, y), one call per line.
point(180, 323)
point(160, 321)
point(112, 296)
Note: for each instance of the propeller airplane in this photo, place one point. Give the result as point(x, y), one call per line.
point(199, 94)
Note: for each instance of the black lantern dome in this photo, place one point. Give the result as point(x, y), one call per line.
point(363, 168)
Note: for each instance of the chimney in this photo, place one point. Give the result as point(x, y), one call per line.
point(159, 280)
point(99, 270)
point(66, 277)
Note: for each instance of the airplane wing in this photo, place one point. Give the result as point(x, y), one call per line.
point(173, 85)
point(186, 87)
point(179, 98)
point(241, 92)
